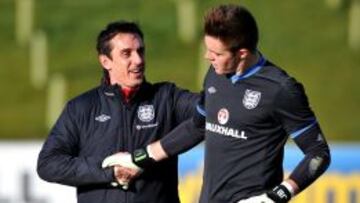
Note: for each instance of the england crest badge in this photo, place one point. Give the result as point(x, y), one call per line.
point(251, 99)
point(146, 113)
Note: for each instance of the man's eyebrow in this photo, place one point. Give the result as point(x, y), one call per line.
point(216, 51)
point(125, 50)
point(129, 49)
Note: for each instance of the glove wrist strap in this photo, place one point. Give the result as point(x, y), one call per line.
point(289, 188)
point(280, 194)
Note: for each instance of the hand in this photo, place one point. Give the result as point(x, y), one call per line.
point(124, 175)
point(124, 168)
point(121, 158)
point(257, 199)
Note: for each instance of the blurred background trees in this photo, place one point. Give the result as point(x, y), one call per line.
point(47, 53)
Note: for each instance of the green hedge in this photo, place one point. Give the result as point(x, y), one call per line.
point(306, 38)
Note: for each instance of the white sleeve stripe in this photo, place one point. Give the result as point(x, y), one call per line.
point(201, 110)
point(301, 131)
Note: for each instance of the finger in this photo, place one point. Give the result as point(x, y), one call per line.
point(124, 184)
point(116, 158)
point(131, 172)
point(125, 172)
point(120, 171)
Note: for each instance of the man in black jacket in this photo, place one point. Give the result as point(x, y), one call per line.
point(122, 114)
point(249, 108)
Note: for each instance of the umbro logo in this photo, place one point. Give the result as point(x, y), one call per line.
point(212, 90)
point(102, 118)
point(109, 94)
point(320, 138)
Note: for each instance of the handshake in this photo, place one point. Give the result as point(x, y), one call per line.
point(127, 166)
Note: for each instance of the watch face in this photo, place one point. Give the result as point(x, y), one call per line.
point(139, 155)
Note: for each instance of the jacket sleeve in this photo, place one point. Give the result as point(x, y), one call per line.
point(300, 123)
point(184, 103)
point(187, 134)
point(59, 159)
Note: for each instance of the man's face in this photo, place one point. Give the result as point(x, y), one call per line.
point(127, 63)
point(219, 56)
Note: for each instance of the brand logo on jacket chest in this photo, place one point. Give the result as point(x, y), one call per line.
point(146, 113)
point(223, 116)
point(102, 118)
point(226, 131)
point(251, 99)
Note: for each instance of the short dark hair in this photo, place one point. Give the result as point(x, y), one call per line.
point(103, 45)
point(233, 25)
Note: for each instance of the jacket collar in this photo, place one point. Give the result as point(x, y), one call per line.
point(113, 91)
point(250, 71)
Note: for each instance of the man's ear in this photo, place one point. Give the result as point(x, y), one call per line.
point(105, 61)
point(243, 53)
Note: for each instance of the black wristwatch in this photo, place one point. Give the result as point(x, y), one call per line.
point(142, 159)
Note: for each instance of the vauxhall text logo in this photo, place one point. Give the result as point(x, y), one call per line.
point(223, 116)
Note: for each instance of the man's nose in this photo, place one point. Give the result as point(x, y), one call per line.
point(138, 58)
point(208, 56)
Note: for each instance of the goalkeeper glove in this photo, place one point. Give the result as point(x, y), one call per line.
point(281, 193)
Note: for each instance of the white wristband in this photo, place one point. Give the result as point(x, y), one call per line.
point(289, 187)
point(151, 155)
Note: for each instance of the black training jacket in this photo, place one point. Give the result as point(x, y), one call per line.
point(100, 123)
point(248, 119)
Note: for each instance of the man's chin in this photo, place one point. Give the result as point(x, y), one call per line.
point(137, 83)
point(220, 72)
